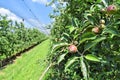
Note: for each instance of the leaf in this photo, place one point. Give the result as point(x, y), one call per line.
point(57, 46)
point(116, 52)
point(72, 29)
point(61, 58)
point(74, 22)
point(92, 57)
point(105, 3)
point(76, 36)
point(92, 19)
point(112, 30)
point(92, 8)
point(83, 68)
point(116, 56)
point(93, 43)
point(87, 36)
point(66, 34)
point(86, 39)
point(117, 23)
point(98, 1)
point(70, 62)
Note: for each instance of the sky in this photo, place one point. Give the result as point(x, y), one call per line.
point(34, 12)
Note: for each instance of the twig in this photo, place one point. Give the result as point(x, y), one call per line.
point(43, 74)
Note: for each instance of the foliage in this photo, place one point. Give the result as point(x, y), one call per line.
point(98, 54)
point(29, 66)
point(15, 37)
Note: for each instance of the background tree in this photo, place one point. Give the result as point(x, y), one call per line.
point(15, 37)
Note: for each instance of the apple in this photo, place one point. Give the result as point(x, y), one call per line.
point(102, 26)
point(111, 9)
point(102, 21)
point(103, 10)
point(96, 30)
point(75, 42)
point(72, 48)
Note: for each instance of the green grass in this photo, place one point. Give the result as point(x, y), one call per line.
point(29, 66)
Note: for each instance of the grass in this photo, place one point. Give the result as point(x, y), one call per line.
point(29, 66)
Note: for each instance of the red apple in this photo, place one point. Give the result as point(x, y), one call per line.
point(96, 30)
point(72, 48)
point(111, 8)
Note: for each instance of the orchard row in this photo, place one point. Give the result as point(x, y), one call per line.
point(15, 37)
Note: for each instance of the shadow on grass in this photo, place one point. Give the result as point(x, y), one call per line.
point(11, 59)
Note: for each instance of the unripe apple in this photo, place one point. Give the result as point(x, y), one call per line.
point(72, 48)
point(75, 42)
point(102, 21)
point(102, 26)
point(111, 8)
point(96, 30)
point(103, 10)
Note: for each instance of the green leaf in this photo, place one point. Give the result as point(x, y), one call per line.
point(98, 1)
point(92, 57)
point(87, 36)
point(86, 39)
point(89, 45)
point(72, 29)
point(116, 52)
point(61, 58)
point(111, 30)
point(105, 3)
point(83, 68)
point(76, 36)
point(66, 34)
point(117, 23)
point(76, 23)
point(70, 62)
point(57, 46)
point(92, 19)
